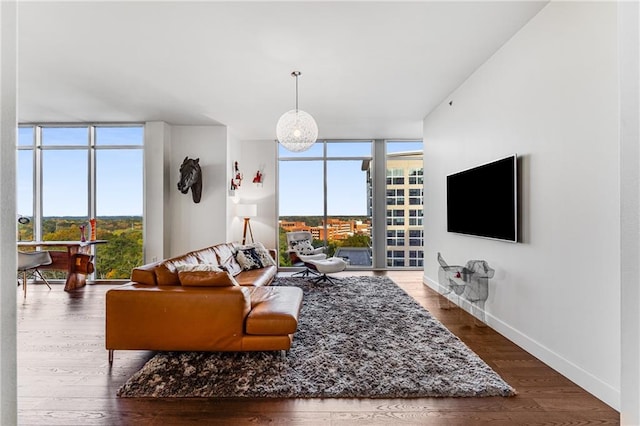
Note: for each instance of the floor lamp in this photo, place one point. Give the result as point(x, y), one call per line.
point(247, 211)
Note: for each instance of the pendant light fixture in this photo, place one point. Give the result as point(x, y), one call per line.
point(296, 130)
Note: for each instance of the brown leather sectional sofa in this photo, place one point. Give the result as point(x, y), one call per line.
point(156, 312)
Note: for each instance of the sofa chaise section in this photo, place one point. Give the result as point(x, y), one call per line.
point(156, 312)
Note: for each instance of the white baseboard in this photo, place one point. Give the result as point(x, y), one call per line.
point(579, 376)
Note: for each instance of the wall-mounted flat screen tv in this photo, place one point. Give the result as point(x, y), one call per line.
point(483, 200)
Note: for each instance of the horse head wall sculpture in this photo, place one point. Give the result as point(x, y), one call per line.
point(191, 177)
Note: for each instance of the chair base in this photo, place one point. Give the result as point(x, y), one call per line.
point(305, 273)
point(24, 280)
point(37, 271)
point(323, 279)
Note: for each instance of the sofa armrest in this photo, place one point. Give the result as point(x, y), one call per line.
point(145, 274)
point(175, 317)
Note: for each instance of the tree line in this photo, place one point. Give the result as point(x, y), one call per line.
point(114, 260)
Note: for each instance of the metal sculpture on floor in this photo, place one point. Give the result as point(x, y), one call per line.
point(191, 178)
point(471, 282)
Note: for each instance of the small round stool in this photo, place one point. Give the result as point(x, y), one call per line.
point(326, 266)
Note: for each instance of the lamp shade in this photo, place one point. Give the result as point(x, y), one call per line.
point(246, 210)
point(297, 131)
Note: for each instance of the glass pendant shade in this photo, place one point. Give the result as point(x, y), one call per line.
point(297, 131)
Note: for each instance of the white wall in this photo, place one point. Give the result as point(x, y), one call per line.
point(8, 124)
point(234, 153)
point(550, 95)
point(157, 165)
point(629, 42)
point(194, 226)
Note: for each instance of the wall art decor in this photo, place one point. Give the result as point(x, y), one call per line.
point(236, 178)
point(258, 179)
point(191, 178)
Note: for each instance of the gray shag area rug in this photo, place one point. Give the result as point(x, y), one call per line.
point(362, 337)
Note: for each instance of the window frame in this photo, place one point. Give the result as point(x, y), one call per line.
point(38, 148)
point(325, 159)
point(388, 211)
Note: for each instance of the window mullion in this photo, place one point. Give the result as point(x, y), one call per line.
point(37, 184)
point(379, 218)
point(92, 172)
point(325, 189)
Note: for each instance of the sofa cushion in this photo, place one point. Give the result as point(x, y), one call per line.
point(274, 310)
point(198, 267)
point(204, 275)
point(206, 279)
point(257, 277)
point(206, 255)
point(166, 272)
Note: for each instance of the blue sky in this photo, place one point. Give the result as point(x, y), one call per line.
point(301, 188)
point(301, 182)
point(64, 173)
point(119, 179)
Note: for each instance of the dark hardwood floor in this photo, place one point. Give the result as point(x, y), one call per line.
point(64, 378)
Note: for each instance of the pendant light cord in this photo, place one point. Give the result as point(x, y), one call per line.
point(296, 74)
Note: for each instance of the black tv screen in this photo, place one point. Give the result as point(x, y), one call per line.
point(482, 201)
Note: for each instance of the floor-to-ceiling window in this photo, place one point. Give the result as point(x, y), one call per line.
point(68, 174)
point(325, 191)
point(404, 186)
point(329, 191)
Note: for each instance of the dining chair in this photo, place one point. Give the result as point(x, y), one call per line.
point(30, 262)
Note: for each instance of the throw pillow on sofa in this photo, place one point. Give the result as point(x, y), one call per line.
point(226, 258)
point(262, 252)
point(248, 258)
point(204, 275)
point(166, 271)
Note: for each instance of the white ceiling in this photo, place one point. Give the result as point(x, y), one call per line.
point(369, 69)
